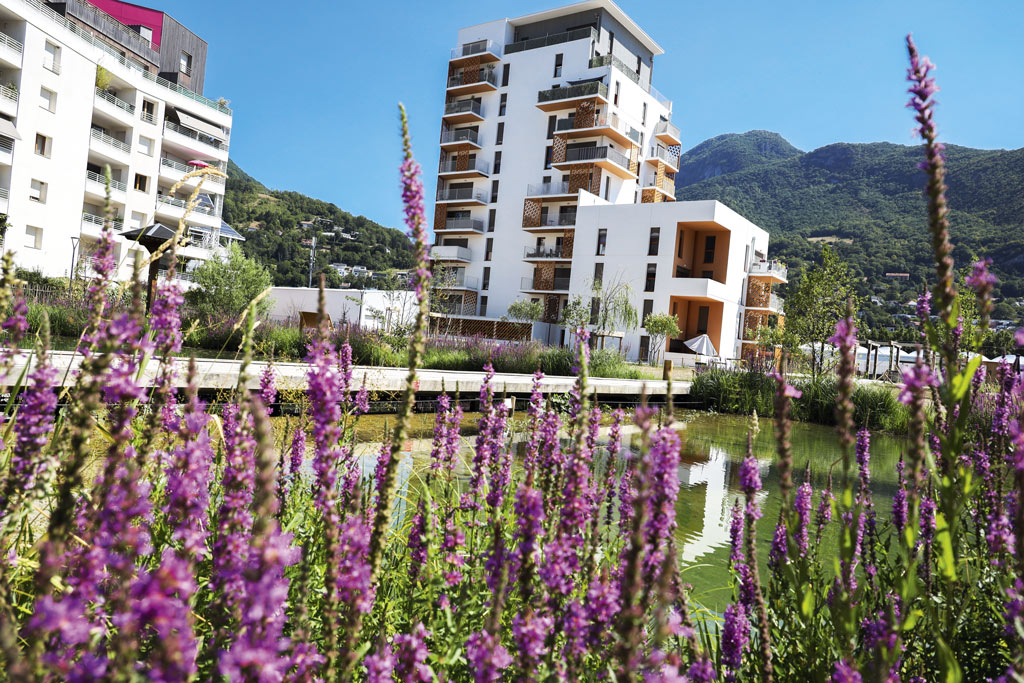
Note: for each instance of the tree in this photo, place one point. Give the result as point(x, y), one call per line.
point(615, 309)
point(660, 326)
point(819, 301)
point(576, 314)
point(525, 311)
point(225, 286)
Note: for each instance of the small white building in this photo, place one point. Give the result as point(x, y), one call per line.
point(368, 309)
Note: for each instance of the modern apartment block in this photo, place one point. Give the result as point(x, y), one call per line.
point(558, 158)
point(87, 85)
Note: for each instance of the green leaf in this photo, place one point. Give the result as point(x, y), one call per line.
point(947, 565)
point(807, 604)
point(962, 381)
point(950, 668)
point(911, 621)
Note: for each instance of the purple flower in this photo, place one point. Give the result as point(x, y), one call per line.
point(750, 476)
point(916, 378)
point(802, 504)
point(777, 553)
point(980, 276)
point(380, 665)
point(529, 631)
point(845, 336)
point(661, 517)
point(188, 482)
point(411, 655)
point(702, 671)
point(736, 535)
point(298, 452)
point(33, 425)
point(352, 562)
point(164, 316)
point(1018, 337)
point(845, 673)
point(487, 657)
point(268, 391)
point(417, 542)
point(362, 405)
point(735, 636)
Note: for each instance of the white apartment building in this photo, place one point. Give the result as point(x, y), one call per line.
point(80, 90)
point(557, 169)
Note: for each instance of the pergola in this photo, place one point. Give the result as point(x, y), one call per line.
point(152, 238)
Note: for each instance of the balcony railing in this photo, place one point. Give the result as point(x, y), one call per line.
point(631, 74)
point(769, 268)
point(9, 93)
point(462, 107)
point(539, 284)
point(595, 154)
point(116, 101)
point(462, 224)
point(603, 121)
point(147, 117)
point(558, 220)
point(452, 166)
point(483, 76)
point(667, 127)
point(51, 65)
point(195, 135)
point(462, 194)
point(665, 155)
point(93, 219)
point(5, 194)
point(555, 252)
point(667, 184)
point(11, 43)
point(110, 140)
point(187, 277)
point(182, 203)
point(543, 189)
point(460, 135)
point(592, 89)
point(476, 48)
point(6, 144)
point(458, 280)
point(97, 178)
point(447, 252)
point(553, 39)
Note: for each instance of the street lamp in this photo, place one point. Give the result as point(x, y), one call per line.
point(71, 273)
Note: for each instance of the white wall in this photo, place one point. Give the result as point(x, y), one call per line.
point(370, 309)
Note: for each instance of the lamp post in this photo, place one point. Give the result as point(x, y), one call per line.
point(71, 273)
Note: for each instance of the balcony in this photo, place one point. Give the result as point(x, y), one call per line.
point(147, 117)
point(557, 223)
point(774, 303)
point(570, 96)
point(10, 51)
point(8, 101)
point(660, 155)
point(543, 253)
point(184, 277)
point(608, 126)
point(92, 225)
point(447, 252)
point(604, 156)
point(51, 64)
point(460, 138)
point(463, 111)
point(461, 226)
point(472, 81)
point(195, 141)
point(700, 288)
point(5, 197)
point(555, 191)
point(450, 169)
point(667, 189)
point(96, 187)
point(108, 146)
point(175, 208)
point(114, 106)
point(175, 170)
point(461, 197)
point(544, 284)
point(6, 151)
point(667, 133)
point(630, 73)
point(774, 270)
point(457, 279)
point(483, 50)
point(553, 39)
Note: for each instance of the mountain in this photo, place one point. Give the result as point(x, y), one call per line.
point(866, 199)
point(269, 220)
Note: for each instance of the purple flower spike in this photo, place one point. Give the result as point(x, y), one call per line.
point(411, 656)
point(380, 665)
point(845, 673)
point(916, 378)
point(487, 657)
point(268, 390)
point(735, 636)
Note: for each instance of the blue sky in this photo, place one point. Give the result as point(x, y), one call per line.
point(314, 84)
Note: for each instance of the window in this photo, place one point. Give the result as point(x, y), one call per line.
point(185, 64)
point(33, 238)
point(702, 319)
point(552, 120)
point(648, 309)
point(141, 182)
point(502, 104)
point(486, 284)
point(37, 191)
point(504, 75)
point(558, 65)
point(43, 145)
point(488, 248)
point(149, 111)
point(497, 163)
point(595, 309)
point(47, 99)
point(146, 32)
point(547, 157)
point(652, 242)
point(491, 215)
point(501, 133)
point(602, 240)
point(138, 220)
point(51, 60)
point(494, 191)
point(611, 42)
point(679, 249)
point(645, 348)
point(607, 187)
point(709, 249)
point(598, 273)
point(643, 115)
point(618, 86)
point(707, 274)
point(639, 63)
point(483, 305)
point(652, 272)
point(146, 145)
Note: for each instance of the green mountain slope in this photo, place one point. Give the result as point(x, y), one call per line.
point(867, 199)
point(731, 153)
point(269, 220)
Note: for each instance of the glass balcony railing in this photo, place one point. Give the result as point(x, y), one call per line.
point(462, 194)
point(476, 48)
point(481, 76)
point(182, 204)
point(596, 154)
point(603, 121)
point(542, 284)
point(462, 107)
point(667, 185)
point(769, 268)
point(447, 252)
point(631, 74)
point(553, 39)
point(544, 189)
point(460, 135)
point(458, 280)
point(462, 224)
point(664, 155)
point(453, 166)
point(666, 127)
point(556, 252)
point(592, 89)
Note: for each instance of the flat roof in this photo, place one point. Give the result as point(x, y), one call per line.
point(606, 5)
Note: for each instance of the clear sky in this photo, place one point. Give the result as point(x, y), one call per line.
point(314, 84)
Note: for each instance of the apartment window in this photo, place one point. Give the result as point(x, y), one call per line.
point(33, 238)
point(47, 99)
point(652, 272)
point(618, 86)
point(639, 63)
point(648, 309)
point(598, 273)
point(501, 133)
point(602, 241)
point(43, 145)
point(707, 274)
point(502, 104)
point(149, 111)
point(611, 42)
point(146, 145)
point(702, 319)
point(547, 157)
point(595, 309)
point(504, 75)
point(141, 182)
point(645, 348)
point(185, 63)
point(37, 191)
point(146, 32)
point(486, 284)
point(558, 66)
point(709, 249)
point(552, 120)
point(491, 215)
point(488, 248)
point(679, 249)
point(652, 242)
point(607, 187)
point(497, 163)
point(643, 115)
point(137, 220)
point(51, 60)
point(494, 191)
point(483, 305)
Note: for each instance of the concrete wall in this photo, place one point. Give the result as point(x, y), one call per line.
point(370, 309)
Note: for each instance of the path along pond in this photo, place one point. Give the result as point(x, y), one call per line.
point(713, 446)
